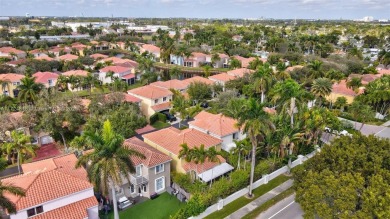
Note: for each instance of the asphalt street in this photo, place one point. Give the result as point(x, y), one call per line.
point(285, 209)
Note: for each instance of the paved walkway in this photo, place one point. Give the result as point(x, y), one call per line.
point(240, 213)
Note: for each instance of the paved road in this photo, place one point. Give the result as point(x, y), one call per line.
point(285, 209)
point(377, 130)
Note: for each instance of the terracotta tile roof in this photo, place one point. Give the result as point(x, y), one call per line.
point(239, 72)
point(128, 76)
point(153, 156)
point(16, 62)
point(44, 77)
point(198, 79)
point(244, 61)
point(147, 128)
point(150, 92)
point(9, 49)
point(98, 56)
point(292, 68)
point(198, 55)
point(59, 49)
point(161, 107)
point(171, 139)
point(151, 48)
point(46, 58)
point(36, 51)
point(11, 77)
point(341, 88)
point(200, 168)
point(224, 77)
point(115, 69)
point(47, 180)
point(127, 98)
point(68, 57)
point(222, 55)
point(76, 210)
point(384, 72)
point(171, 84)
point(217, 124)
point(366, 78)
point(76, 73)
point(120, 62)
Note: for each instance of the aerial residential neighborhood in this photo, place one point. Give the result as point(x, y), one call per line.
point(135, 116)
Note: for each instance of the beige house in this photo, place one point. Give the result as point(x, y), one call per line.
point(168, 141)
point(10, 83)
point(340, 89)
point(154, 99)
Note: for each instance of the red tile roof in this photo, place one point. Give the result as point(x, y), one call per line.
point(127, 98)
point(150, 92)
point(128, 76)
point(76, 73)
point(44, 77)
point(171, 84)
point(239, 72)
point(76, 210)
point(115, 69)
point(200, 168)
point(341, 88)
point(98, 56)
point(68, 57)
point(9, 49)
point(151, 48)
point(365, 78)
point(46, 58)
point(161, 107)
point(198, 79)
point(224, 77)
point(147, 128)
point(36, 51)
point(171, 139)
point(11, 77)
point(152, 158)
point(244, 61)
point(217, 124)
point(47, 180)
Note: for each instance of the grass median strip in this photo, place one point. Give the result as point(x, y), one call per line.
point(268, 204)
point(242, 201)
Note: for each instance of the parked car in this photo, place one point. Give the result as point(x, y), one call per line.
point(123, 203)
point(341, 133)
point(170, 117)
point(204, 105)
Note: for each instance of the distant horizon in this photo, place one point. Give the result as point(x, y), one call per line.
point(202, 9)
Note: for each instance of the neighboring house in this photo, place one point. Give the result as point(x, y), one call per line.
point(38, 53)
point(99, 46)
point(16, 63)
point(12, 53)
point(75, 73)
point(126, 98)
point(168, 141)
point(121, 62)
point(223, 61)
point(10, 83)
point(222, 78)
point(198, 79)
point(123, 73)
point(365, 78)
point(154, 99)
point(195, 60)
point(340, 89)
point(240, 72)
point(48, 79)
point(245, 61)
point(67, 57)
point(218, 126)
point(151, 49)
point(57, 50)
point(152, 174)
point(54, 189)
point(44, 58)
point(98, 56)
point(171, 84)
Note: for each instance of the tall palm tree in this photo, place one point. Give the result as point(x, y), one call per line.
point(263, 80)
point(291, 136)
point(29, 90)
point(187, 154)
point(179, 105)
point(257, 124)
point(6, 203)
point(321, 88)
point(20, 146)
point(315, 67)
point(242, 149)
point(109, 162)
point(199, 155)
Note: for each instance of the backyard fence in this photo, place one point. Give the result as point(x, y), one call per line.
point(264, 180)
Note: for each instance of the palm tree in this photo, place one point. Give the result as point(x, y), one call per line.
point(6, 203)
point(29, 90)
point(315, 67)
point(263, 80)
point(187, 154)
point(108, 162)
point(354, 83)
point(257, 124)
point(20, 146)
point(291, 136)
point(62, 83)
point(321, 88)
point(179, 105)
point(199, 155)
point(242, 148)
point(5, 85)
point(341, 102)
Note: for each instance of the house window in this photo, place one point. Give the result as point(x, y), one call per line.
point(234, 135)
point(160, 168)
point(156, 101)
point(138, 170)
point(33, 211)
point(160, 184)
point(164, 99)
point(50, 82)
point(144, 187)
point(132, 189)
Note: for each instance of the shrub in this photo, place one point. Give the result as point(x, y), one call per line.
point(158, 117)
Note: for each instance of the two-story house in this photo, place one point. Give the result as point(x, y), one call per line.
point(218, 126)
point(54, 188)
point(171, 84)
point(121, 72)
point(152, 174)
point(10, 83)
point(12, 53)
point(222, 78)
point(154, 99)
point(195, 60)
point(76, 74)
point(57, 50)
point(168, 141)
point(223, 61)
point(98, 56)
point(152, 49)
point(38, 53)
point(48, 79)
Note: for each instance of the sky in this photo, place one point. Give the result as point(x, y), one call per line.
point(277, 9)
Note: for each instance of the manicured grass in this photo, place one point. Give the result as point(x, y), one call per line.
point(242, 201)
point(136, 85)
point(160, 125)
point(268, 204)
point(160, 208)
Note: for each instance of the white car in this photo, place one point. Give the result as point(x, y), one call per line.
point(342, 133)
point(123, 203)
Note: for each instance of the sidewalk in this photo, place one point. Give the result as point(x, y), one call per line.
point(260, 200)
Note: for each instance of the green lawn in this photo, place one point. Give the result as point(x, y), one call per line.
point(160, 208)
point(160, 125)
point(242, 201)
point(269, 203)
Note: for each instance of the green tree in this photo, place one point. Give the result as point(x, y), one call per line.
point(234, 63)
point(199, 92)
point(341, 102)
point(5, 202)
point(180, 105)
point(321, 88)
point(361, 112)
point(29, 90)
point(263, 79)
point(20, 147)
point(109, 161)
point(354, 83)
